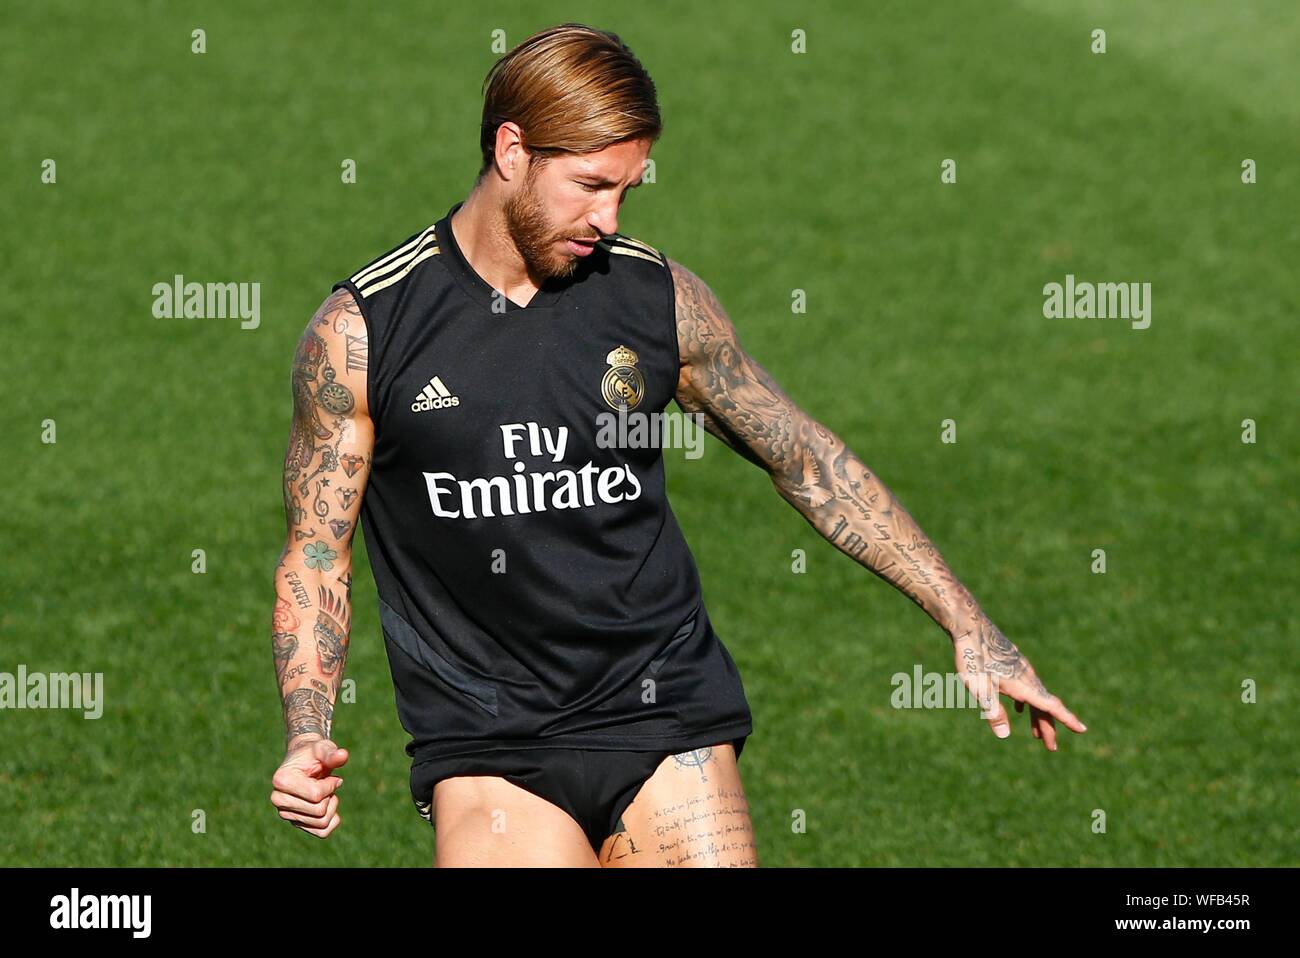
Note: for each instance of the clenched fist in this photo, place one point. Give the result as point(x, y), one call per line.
point(304, 788)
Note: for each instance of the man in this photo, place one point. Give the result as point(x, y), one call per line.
point(568, 700)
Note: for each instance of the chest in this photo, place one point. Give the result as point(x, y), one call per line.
point(487, 391)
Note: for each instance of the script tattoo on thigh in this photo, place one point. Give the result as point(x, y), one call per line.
point(708, 830)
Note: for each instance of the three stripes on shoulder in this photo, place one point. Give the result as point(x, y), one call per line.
point(394, 267)
point(627, 246)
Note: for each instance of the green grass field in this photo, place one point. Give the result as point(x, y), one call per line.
point(777, 171)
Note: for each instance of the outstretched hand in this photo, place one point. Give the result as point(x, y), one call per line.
point(991, 665)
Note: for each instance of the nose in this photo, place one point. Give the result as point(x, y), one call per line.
point(605, 219)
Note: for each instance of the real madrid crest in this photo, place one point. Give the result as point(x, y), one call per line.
point(623, 383)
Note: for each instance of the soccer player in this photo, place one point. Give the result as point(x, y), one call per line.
point(567, 698)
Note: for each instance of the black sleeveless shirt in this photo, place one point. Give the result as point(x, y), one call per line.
point(532, 580)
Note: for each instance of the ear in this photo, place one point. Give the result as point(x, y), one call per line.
point(511, 157)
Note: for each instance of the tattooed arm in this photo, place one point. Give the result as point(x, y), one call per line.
point(846, 503)
point(326, 466)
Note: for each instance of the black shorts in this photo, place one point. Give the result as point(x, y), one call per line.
point(594, 786)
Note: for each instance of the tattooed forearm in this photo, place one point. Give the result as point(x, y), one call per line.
point(332, 634)
point(863, 520)
point(307, 712)
point(312, 661)
point(284, 641)
point(808, 464)
point(856, 512)
point(284, 638)
point(326, 469)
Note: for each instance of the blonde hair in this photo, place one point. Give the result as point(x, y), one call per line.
point(572, 89)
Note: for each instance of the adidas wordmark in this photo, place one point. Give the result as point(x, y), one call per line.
point(434, 396)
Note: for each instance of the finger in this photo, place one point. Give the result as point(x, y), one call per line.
point(1020, 706)
point(983, 688)
point(322, 819)
point(313, 821)
point(1047, 727)
point(290, 803)
point(308, 789)
point(1044, 700)
point(997, 718)
point(323, 832)
point(1057, 709)
point(304, 821)
point(328, 754)
point(323, 788)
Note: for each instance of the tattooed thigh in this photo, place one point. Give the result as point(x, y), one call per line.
point(691, 813)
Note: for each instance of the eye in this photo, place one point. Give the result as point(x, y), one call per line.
point(586, 186)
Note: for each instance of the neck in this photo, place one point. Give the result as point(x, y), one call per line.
point(481, 233)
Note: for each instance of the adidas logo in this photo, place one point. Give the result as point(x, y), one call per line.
point(434, 396)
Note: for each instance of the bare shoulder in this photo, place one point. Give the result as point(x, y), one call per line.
point(332, 356)
point(703, 326)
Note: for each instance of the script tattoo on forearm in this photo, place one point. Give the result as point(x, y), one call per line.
point(810, 466)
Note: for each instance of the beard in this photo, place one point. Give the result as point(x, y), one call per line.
point(534, 236)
